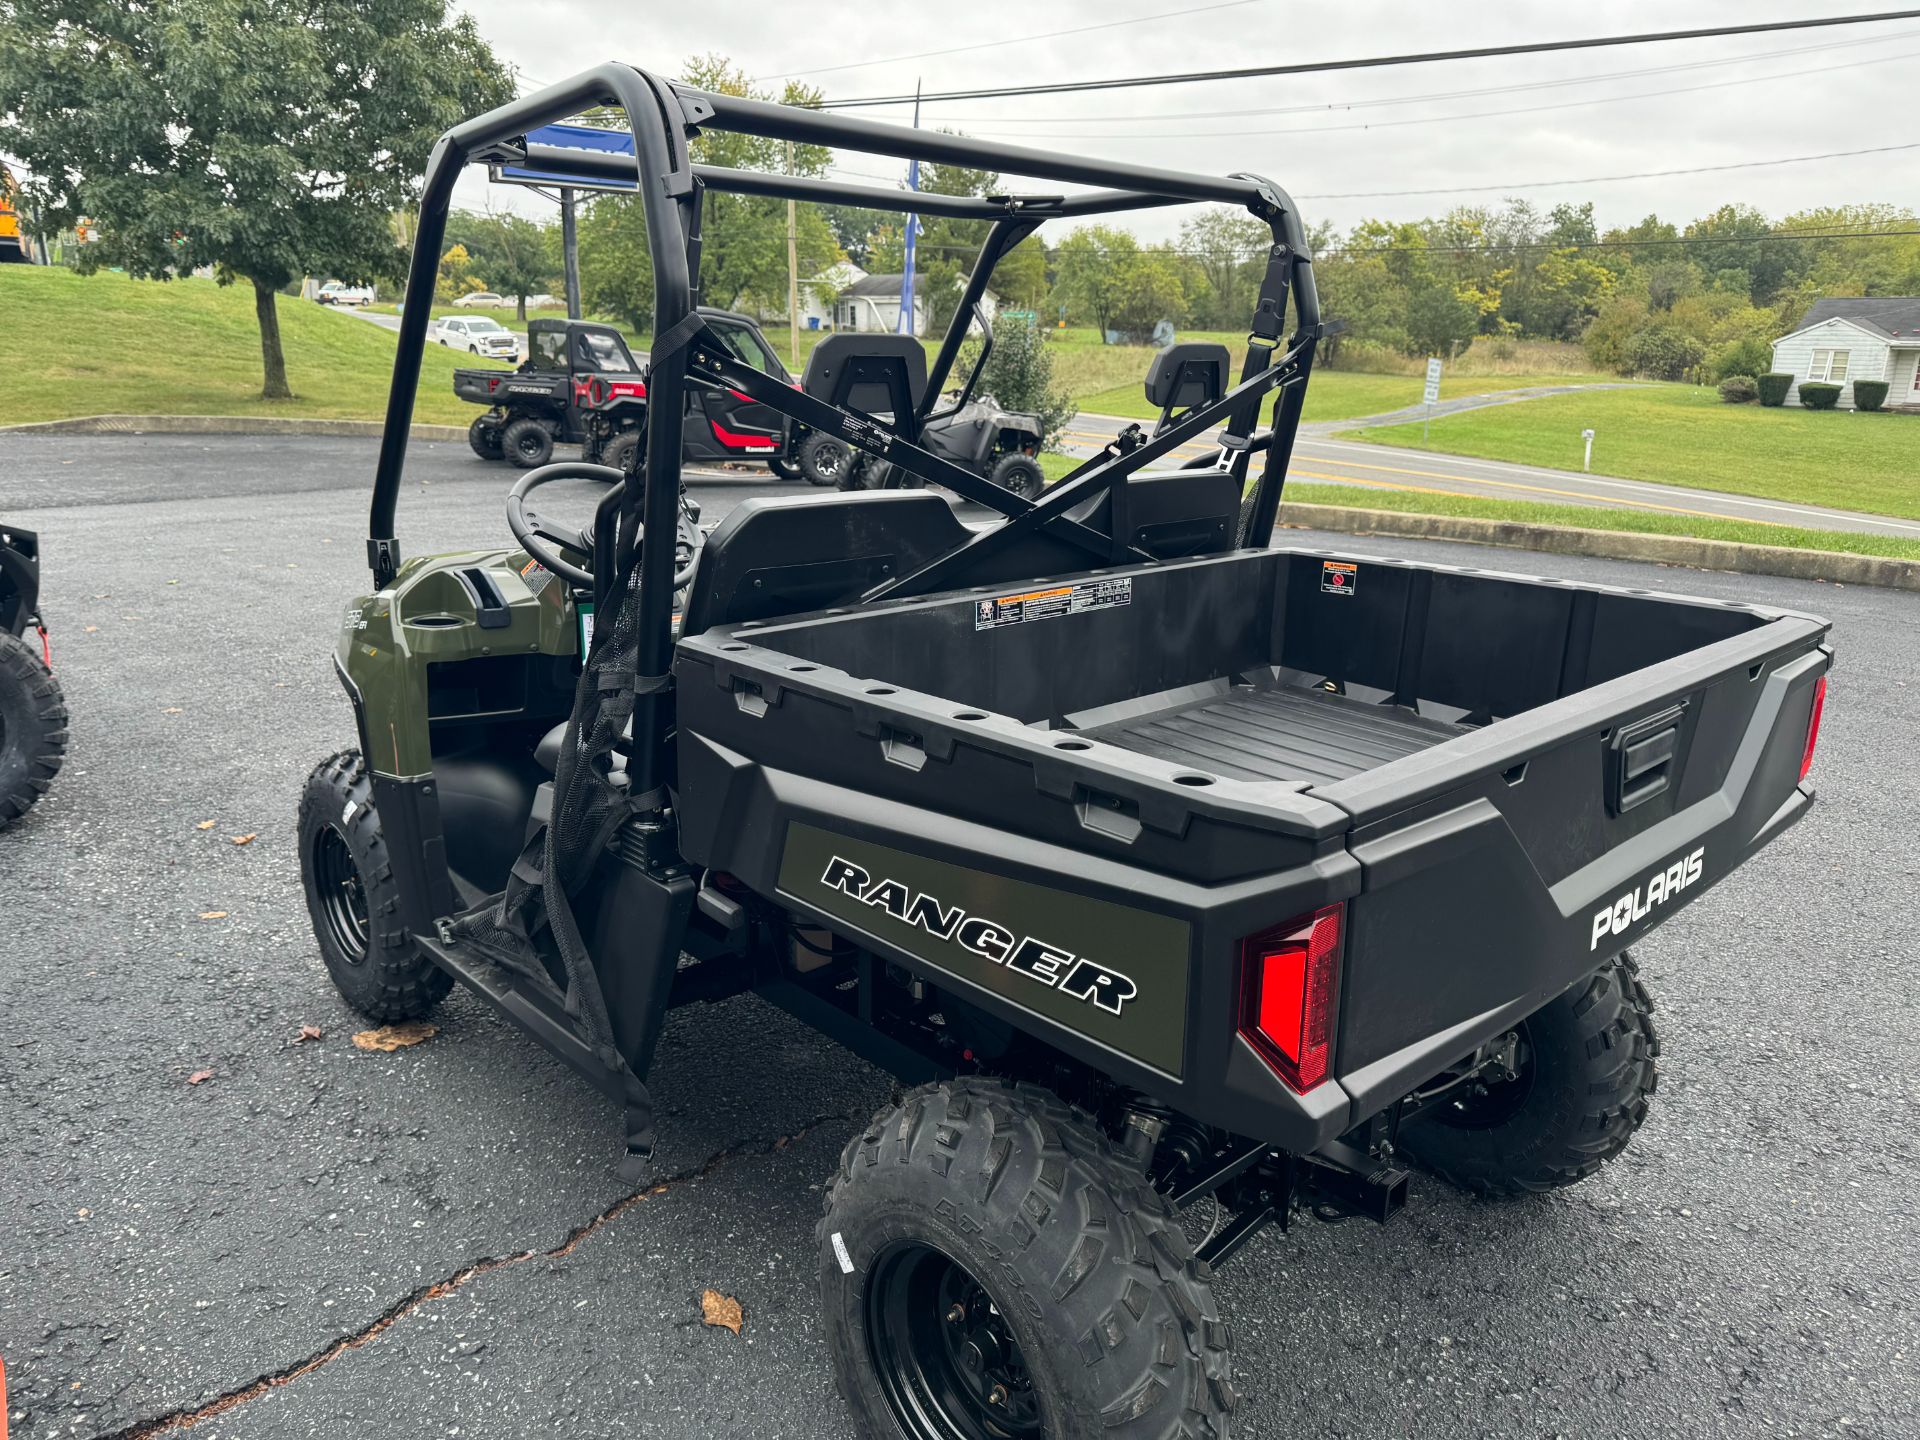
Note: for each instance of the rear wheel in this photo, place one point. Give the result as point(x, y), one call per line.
point(1020, 475)
point(354, 900)
point(33, 727)
point(483, 435)
point(783, 468)
point(1584, 1067)
point(527, 443)
point(991, 1267)
point(823, 460)
point(621, 451)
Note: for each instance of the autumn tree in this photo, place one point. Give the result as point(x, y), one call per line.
point(266, 139)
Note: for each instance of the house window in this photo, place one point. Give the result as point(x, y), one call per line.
point(1830, 365)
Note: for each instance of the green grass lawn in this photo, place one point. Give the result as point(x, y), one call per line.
point(1684, 435)
point(1587, 517)
point(108, 345)
point(1343, 394)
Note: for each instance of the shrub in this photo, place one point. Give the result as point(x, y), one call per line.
point(1773, 387)
point(1819, 395)
point(1739, 390)
point(1663, 352)
point(1869, 394)
point(1739, 357)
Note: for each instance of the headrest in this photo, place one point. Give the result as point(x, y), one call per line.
point(860, 372)
point(1189, 374)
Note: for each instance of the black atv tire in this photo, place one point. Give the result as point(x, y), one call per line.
point(33, 727)
point(619, 452)
point(483, 435)
point(1093, 1318)
point(1588, 1065)
point(783, 468)
point(1019, 475)
point(527, 442)
point(354, 900)
point(823, 460)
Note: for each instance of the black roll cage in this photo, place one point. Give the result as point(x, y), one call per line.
point(664, 117)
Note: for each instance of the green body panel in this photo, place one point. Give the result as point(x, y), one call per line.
point(426, 616)
point(1113, 973)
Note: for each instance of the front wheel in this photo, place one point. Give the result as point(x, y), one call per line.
point(527, 443)
point(33, 727)
point(622, 452)
point(1583, 1068)
point(823, 460)
point(991, 1266)
point(1019, 475)
point(354, 900)
point(783, 468)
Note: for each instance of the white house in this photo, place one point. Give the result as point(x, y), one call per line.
point(873, 303)
point(1876, 337)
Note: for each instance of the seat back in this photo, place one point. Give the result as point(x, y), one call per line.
point(796, 553)
point(1192, 373)
point(1173, 514)
point(871, 374)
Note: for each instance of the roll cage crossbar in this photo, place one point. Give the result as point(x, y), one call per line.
point(664, 119)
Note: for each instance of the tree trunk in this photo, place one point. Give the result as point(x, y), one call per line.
point(522, 312)
point(272, 359)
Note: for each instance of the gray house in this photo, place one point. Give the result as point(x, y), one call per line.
point(873, 303)
point(1875, 337)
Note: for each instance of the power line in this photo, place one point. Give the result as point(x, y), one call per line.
point(1014, 40)
point(1372, 62)
point(1423, 120)
point(1605, 179)
point(1322, 106)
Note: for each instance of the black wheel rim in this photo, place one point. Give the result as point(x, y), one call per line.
point(826, 462)
point(944, 1354)
point(532, 445)
point(1483, 1104)
point(341, 894)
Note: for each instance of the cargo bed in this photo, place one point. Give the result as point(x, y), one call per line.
point(1501, 778)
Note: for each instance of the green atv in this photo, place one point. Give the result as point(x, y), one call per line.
point(33, 713)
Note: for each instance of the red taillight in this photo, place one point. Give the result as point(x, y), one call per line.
point(1287, 980)
point(1813, 725)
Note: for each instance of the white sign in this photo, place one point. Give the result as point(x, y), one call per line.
point(1433, 380)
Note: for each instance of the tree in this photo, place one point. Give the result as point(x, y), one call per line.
point(616, 268)
point(1103, 275)
point(1439, 321)
point(264, 138)
point(455, 276)
point(1228, 247)
point(512, 254)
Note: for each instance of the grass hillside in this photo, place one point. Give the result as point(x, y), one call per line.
point(1685, 435)
point(109, 345)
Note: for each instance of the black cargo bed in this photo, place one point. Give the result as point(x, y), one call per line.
point(1311, 735)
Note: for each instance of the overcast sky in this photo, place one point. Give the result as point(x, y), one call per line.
point(1770, 96)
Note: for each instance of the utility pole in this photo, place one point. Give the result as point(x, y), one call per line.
point(793, 278)
point(570, 251)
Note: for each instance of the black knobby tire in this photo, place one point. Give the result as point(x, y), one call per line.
point(483, 435)
point(1588, 1063)
point(783, 468)
point(354, 900)
point(33, 727)
point(1019, 475)
point(527, 443)
point(823, 460)
point(993, 1236)
point(620, 451)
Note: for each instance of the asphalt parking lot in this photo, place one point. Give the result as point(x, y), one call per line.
point(435, 1242)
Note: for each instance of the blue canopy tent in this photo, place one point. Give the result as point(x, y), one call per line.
point(571, 137)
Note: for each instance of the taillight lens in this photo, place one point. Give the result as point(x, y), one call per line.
point(1813, 725)
point(1287, 979)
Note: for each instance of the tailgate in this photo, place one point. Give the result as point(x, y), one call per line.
point(1501, 866)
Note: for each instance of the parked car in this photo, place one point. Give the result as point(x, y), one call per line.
point(482, 300)
point(479, 335)
point(335, 293)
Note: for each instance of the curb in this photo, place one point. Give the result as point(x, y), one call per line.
point(223, 425)
point(1832, 566)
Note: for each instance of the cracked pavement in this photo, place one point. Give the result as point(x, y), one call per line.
point(436, 1241)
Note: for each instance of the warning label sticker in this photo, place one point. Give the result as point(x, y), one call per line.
point(1053, 602)
point(1337, 577)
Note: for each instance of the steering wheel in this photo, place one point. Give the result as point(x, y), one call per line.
point(532, 541)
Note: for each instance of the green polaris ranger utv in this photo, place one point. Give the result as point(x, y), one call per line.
point(1165, 868)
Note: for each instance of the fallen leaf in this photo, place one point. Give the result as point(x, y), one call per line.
point(92, 629)
point(246, 839)
point(213, 914)
point(309, 1032)
point(204, 825)
point(721, 1310)
point(199, 1076)
point(171, 710)
point(392, 1037)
